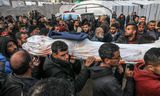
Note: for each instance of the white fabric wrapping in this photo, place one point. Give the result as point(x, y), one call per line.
point(41, 45)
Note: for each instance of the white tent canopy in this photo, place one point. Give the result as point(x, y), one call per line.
point(151, 9)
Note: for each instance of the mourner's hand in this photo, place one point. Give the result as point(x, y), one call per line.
point(89, 61)
point(128, 73)
point(120, 69)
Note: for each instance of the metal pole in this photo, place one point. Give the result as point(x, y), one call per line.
point(10, 2)
point(133, 8)
point(138, 10)
point(128, 10)
point(122, 9)
point(156, 11)
point(149, 12)
point(159, 14)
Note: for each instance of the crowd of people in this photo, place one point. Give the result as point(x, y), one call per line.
point(61, 73)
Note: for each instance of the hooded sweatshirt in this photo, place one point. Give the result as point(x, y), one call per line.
point(146, 83)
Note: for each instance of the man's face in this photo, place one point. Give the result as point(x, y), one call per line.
point(24, 38)
point(62, 55)
point(61, 23)
point(136, 19)
point(35, 32)
point(85, 28)
point(23, 30)
point(142, 20)
point(151, 26)
point(76, 23)
point(115, 59)
point(130, 31)
point(11, 47)
point(113, 21)
point(113, 30)
point(25, 21)
point(140, 28)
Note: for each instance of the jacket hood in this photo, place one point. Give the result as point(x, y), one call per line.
point(3, 48)
point(142, 75)
point(97, 71)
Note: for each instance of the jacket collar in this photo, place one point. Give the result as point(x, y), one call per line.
point(98, 71)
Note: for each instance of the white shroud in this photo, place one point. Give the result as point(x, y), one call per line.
point(41, 45)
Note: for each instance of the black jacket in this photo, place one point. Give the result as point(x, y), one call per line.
point(60, 69)
point(17, 86)
point(105, 84)
point(143, 40)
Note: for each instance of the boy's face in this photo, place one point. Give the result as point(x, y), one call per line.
point(140, 28)
point(85, 28)
point(130, 31)
point(113, 30)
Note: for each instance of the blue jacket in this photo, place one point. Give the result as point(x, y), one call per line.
point(68, 35)
point(6, 68)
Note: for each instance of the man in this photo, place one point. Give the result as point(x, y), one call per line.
point(104, 81)
point(20, 81)
point(76, 26)
point(22, 29)
point(104, 24)
point(62, 65)
point(86, 28)
point(21, 38)
point(151, 30)
point(33, 30)
point(101, 36)
point(142, 19)
point(114, 32)
point(141, 30)
point(8, 47)
point(130, 36)
point(147, 75)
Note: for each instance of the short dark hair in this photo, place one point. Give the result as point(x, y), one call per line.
point(18, 35)
point(59, 46)
point(107, 50)
point(152, 21)
point(52, 87)
point(86, 23)
point(115, 25)
point(152, 56)
point(132, 24)
point(143, 17)
point(23, 63)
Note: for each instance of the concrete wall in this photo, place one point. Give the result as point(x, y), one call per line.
point(46, 10)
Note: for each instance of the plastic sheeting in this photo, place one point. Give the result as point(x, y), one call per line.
point(41, 45)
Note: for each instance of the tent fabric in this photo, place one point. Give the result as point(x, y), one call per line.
point(150, 9)
point(41, 46)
